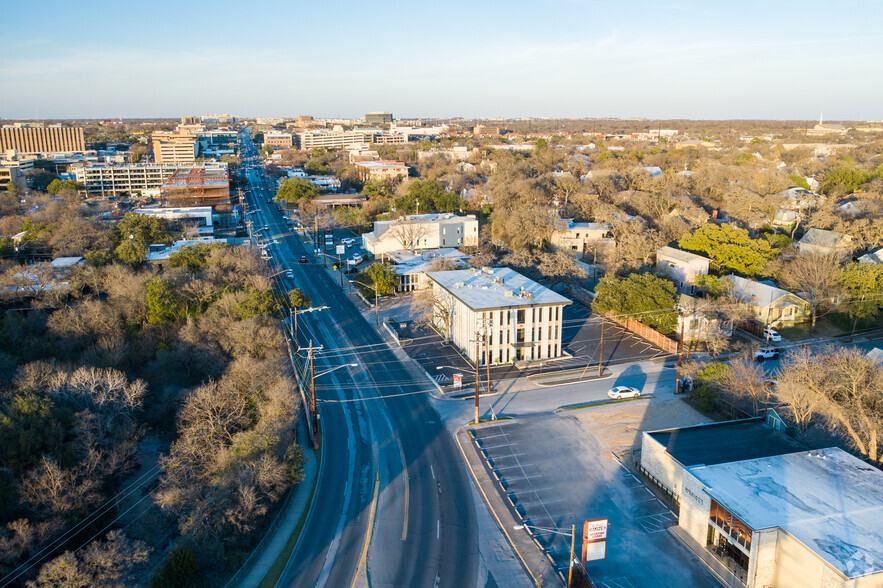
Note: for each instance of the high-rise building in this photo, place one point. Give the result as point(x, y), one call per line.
point(174, 147)
point(332, 139)
point(378, 118)
point(277, 140)
point(30, 139)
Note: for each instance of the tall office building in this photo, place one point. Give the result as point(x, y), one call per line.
point(177, 147)
point(27, 139)
point(378, 118)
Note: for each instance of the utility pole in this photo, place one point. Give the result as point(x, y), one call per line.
point(487, 354)
point(570, 563)
point(477, 356)
point(601, 356)
point(294, 322)
point(680, 357)
point(313, 390)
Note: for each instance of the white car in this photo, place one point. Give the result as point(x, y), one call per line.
point(623, 392)
point(766, 353)
point(772, 335)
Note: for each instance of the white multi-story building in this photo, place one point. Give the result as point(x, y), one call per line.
point(103, 179)
point(422, 231)
point(682, 267)
point(499, 314)
point(581, 238)
point(335, 139)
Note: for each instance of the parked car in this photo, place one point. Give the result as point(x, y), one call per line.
point(771, 334)
point(357, 259)
point(623, 392)
point(765, 353)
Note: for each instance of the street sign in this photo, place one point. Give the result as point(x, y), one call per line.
point(594, 540)
point(341, 249)
point(458, 380)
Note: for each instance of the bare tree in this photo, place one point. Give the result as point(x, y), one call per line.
point(407, 233)
point(817, 278)
point(434, 307)
point(747, 379)
point(799, 387)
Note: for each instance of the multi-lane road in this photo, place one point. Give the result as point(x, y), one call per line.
point(393, 502)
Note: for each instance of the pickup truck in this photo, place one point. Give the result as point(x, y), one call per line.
point(765, 353)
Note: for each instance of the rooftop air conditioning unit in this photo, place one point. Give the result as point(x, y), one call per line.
point(508, 293)
point(459, 285)
point(498, 280)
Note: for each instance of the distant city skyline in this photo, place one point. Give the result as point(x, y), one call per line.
point(564, 58)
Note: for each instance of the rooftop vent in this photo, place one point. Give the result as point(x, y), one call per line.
point(458, 285)
point(508, 293)
point(498, 280)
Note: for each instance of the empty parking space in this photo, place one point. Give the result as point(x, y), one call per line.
point(558, 470)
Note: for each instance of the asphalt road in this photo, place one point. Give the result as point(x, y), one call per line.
point(384, 444)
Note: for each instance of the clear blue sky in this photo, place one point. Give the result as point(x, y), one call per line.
point(557, 58)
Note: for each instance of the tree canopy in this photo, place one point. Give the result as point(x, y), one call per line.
point(647, 298)
point(293, 190)
point(730, 248)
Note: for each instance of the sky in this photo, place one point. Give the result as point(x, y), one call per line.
point(422, 58)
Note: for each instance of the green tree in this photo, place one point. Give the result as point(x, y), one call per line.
point(315, 167)
point(131, 251)
point(31, 427)
point(376, 189)
point(11, 187)
point(647, 298)
point(99, 257)
point(383, 278)
point(799, 181)
point(193, 257)
point(56, 186)
point(145, 228)
point(164, 305)
point(426, 195)
point(293, 190)
point(179, 570)
point(257, 302)
point(730, 248)
point(542, 144)
point(297, 299)
point(864, 283)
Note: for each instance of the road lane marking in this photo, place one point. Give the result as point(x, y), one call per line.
point(407, 489)
point(364, 555)
point(432, 471)
point(438, 529)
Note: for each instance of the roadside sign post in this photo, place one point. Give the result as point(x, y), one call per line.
point(341, 249)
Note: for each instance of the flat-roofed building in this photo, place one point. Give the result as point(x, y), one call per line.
point(682, 267)
point(378, 118)
point(422, 231)
point(381, 170)
point(581, 238)
point(177, 147)
point(32, 139)
point(12, 174)
point(200, 216)
point(516, 318)
point(335, 139)
point(412, 267)
point(277, 140)
point(200, 187)
point(102, 179)
point(336, 200)
point(763, 511)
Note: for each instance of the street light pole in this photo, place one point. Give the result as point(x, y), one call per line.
point(570, 561)
point(477, 357)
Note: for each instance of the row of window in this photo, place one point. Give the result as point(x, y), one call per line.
point(729, 524)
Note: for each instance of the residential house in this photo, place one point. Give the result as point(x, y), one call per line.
point(872, 257)
point(785, 218)
point(421, 231)
point(800, 198)
point(698, 325)
point(682, 267)
point(381, 170)
point(825, 242)
point(771, 305)
point(412, 266)
point(514, 317)
point(582, 239)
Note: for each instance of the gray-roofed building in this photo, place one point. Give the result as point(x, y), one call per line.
point(412, 266)
point(872, 257)
point(521, 319)
point(825, 242)
point(771, 304)
point(810, 518)
point(682, 267)
point(785, 218)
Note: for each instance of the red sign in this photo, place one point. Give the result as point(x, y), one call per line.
point(458, 380)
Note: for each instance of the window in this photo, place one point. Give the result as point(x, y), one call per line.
point(520, 316)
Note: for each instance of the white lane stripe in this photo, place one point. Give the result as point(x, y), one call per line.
point(432, 471)
point(438, 529)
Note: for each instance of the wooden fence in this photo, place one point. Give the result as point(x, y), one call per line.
point(642, 330)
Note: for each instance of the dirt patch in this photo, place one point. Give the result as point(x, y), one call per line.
point(618, 427)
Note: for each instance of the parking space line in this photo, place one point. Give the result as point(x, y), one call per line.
point(511, 467)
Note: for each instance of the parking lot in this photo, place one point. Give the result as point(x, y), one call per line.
point(560, 469)
point(581, 338)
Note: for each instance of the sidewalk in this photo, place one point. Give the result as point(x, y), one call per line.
point(276, 541)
